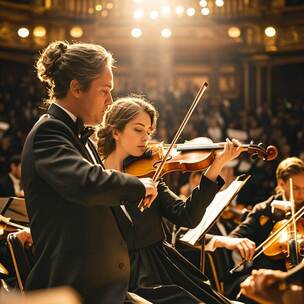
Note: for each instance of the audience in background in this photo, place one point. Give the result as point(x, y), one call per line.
point(280, 126)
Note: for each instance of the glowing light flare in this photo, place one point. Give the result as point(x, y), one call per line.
point(39, 31)
point(205, 11)
point(136, 32)
point(98, 7)
point(23, 32)
point(219, 3)
point(270, 31)
point(203, 3)
point(76, 32)
point(179, 10)
point(190, 11)
point(166, 10)
point(234, 32)
point(110, 5)
point(166, 33)
point(154, 15)
point(91, 10)
point(138, 14)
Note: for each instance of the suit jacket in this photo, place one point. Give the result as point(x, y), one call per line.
point(257, 227)
point(6, 187)
point(69, 199)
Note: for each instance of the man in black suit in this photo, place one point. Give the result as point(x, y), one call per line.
point(261, 220)
point(10, 184)
point(68, 193)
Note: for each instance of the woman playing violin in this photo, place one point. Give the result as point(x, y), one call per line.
point(158, 272)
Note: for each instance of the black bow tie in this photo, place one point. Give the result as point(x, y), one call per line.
point(82, 131)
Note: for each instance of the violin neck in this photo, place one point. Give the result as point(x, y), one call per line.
point(190, 147)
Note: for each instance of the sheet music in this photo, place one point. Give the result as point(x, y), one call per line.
point(213, 211)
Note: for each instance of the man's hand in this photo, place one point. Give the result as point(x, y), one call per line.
point(259, 286)
point(245, 246)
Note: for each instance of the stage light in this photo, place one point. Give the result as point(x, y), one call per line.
point(166, 10)
point(154, 15)
point(23, 32)
point(76, 32)
point(136, 32)
point(205, 11)
point(98, 7)
point(179, 10)
point(91, 10)
point(166, 33)
point(138, 14)
point(39, 31)
point(190, 11)
point(270, 31)
point(110, 5)
point(234, 32)
point(203, 3)
point(104, 13)
point(219, 2)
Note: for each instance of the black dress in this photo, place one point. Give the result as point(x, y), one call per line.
point(158, 272)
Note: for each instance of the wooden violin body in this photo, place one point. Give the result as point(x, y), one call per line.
point(283, 246)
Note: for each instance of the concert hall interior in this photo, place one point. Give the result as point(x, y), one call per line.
point(151, 151)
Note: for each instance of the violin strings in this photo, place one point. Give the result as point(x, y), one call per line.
point(298, 214)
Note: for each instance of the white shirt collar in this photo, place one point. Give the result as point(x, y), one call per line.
point(73, 117)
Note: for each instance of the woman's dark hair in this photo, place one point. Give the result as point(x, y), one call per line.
point(117, 116)
point(62, 62)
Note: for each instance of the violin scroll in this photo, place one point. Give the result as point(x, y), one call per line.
point(270, 153)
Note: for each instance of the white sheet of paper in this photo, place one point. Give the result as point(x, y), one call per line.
point(216, 207)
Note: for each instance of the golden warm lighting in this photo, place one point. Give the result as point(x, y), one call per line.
point(234, 32)
point(136, 32)
point(203, 3)
point(91, 10)
point(166, 33)
point(190, 11)
point(39, 31)
point(23, 32)
point(110, 5)
point(138, 14)
point(76, 32)
point(104, 13)
point(219, 2)
point(154, 15)
point(166, 10)
point(98, 7)
point(179, 10)
point(270, 31)
point(205, 11)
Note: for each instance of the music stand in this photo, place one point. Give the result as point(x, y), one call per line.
point(214, 210)
point(14, 208)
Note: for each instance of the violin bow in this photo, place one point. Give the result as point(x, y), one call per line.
point(159, 169)
point(293, 208)
point(271, 238)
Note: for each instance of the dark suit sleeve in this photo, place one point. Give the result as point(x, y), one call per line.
point(61, 165)
point(250, 226)
point(190, 212)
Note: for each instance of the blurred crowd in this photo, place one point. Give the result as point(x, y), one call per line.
point(21, 103)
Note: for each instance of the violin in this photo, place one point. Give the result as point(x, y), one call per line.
point(273, 236)
point(193, 155)
point(284, 245)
